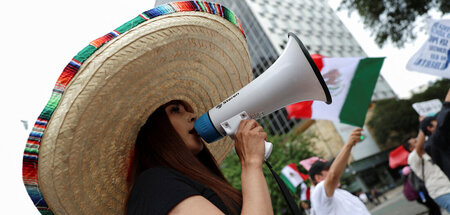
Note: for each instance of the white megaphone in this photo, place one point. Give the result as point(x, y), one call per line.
point(293, 77)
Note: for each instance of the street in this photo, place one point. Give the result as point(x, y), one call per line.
point(396, 204)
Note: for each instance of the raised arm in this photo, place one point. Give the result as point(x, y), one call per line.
point(250, 149)
point(249, 144)
point(338, 166)
point(447, 98)
point(420, 143)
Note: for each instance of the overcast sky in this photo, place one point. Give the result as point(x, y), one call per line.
point(40, 37)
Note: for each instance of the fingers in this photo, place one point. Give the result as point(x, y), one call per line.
point(355, 136)
point(250, 125)
point(357, 132)
point(259, 129)
point(249, 142)
point(247, 127)
point(421, 118)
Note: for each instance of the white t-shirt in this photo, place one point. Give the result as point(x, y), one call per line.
point(363, 197)
point(436, 182)
point(342, 202)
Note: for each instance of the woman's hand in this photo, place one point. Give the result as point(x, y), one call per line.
point(249, 142)
point(250, 147)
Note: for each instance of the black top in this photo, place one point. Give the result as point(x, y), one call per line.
point(438, 144)
point(157, 190)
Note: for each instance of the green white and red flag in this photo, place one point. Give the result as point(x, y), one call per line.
point(292, 177)
point(351, 82)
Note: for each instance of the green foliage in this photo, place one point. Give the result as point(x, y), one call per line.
point(393, 20)
point(437, 90)
point(286, 149)
point(393, 119)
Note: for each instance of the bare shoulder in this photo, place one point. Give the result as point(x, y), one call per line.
point(195, 205)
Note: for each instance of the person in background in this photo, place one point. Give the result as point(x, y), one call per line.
point(305, 198)
point(437, 129)
point(436, 182)
point(374, 197)
point(363, 197)
point(410, 193)
point(306, 207)
point(327, 198)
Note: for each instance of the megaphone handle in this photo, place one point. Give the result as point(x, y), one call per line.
point(230, 126)
point(268, 150)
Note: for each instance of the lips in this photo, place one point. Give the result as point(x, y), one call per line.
point(193, 131)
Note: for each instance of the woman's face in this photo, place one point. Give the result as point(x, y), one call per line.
point(183, 122)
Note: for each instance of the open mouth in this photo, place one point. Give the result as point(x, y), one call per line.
point(193, 132)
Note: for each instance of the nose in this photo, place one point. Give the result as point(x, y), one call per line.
point(192, 117)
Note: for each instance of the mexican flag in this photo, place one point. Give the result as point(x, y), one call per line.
point(291, 176)
point(351, 82)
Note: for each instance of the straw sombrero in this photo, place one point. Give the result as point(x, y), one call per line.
point(78, 153)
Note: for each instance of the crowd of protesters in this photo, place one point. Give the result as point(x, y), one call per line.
point(428, 181)
point(426, 177)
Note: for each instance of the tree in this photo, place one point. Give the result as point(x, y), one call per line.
point(393, 119)
point(286, 149)
point(393, 19)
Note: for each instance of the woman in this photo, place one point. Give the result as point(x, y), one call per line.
point(83, 141)
point(176, 174)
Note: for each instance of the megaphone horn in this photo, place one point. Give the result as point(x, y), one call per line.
point(292, 78)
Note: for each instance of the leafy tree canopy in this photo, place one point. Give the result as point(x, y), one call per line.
point(395, 119)
point(393, 19)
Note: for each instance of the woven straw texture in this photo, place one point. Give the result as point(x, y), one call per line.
point(86, 148)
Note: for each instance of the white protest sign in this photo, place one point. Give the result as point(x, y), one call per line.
point(428, 108)
point(434, 56)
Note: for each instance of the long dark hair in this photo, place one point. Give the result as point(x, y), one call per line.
point(158, 144)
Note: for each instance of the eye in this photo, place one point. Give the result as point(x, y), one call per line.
point(175, 109)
